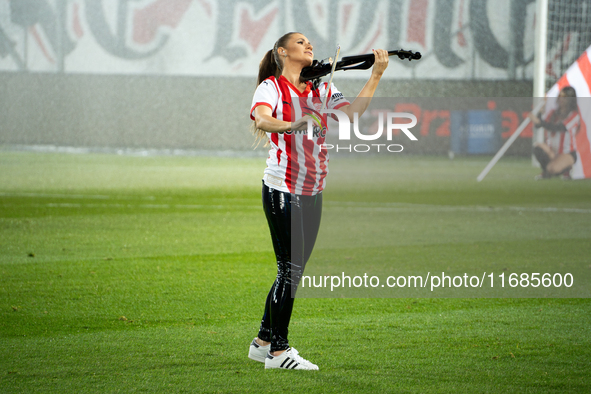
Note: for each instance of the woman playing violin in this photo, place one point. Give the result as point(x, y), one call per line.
point(293, 180)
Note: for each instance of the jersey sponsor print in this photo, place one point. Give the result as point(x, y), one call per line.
point(296, 164)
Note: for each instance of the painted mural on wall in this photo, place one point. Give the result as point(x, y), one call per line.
point(459, 39)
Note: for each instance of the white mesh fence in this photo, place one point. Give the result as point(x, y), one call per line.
point(569, 35)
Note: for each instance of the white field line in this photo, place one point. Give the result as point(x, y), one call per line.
point(346, 205)
point(49, 195)
point(148, 206)
point(400, 207)
point(110, 205)
point(138, 152)
point(74, 196)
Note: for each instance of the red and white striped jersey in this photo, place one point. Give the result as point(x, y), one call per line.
point(296, 164)
point(562, 142)
point(578, 76)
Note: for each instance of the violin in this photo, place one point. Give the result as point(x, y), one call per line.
point(319, 69)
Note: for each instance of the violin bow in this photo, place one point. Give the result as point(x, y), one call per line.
point(334, 66)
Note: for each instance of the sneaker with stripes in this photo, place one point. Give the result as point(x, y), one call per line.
point(289, 359)
point(258, 352)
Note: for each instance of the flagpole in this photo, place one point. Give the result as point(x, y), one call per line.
point(508, 143)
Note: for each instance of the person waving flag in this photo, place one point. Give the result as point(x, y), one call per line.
point(578, 76)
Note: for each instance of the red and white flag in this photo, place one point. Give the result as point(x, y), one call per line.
point(579, 77)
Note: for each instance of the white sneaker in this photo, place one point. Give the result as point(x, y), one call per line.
point(257, 352)
point(289, 359)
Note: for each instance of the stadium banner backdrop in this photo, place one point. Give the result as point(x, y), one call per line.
point(460, 39)
point(579, 77)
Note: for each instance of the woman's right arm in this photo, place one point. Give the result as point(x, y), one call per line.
point(538, 122)
point(535, 119)
point(264, 120)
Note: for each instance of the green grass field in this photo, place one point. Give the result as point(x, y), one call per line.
point(148, 274)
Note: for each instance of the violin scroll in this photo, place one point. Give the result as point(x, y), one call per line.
point(410, 55)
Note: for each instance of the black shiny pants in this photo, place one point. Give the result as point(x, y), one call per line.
point(293, 222)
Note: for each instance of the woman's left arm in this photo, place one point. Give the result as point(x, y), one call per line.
point(360, 104)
